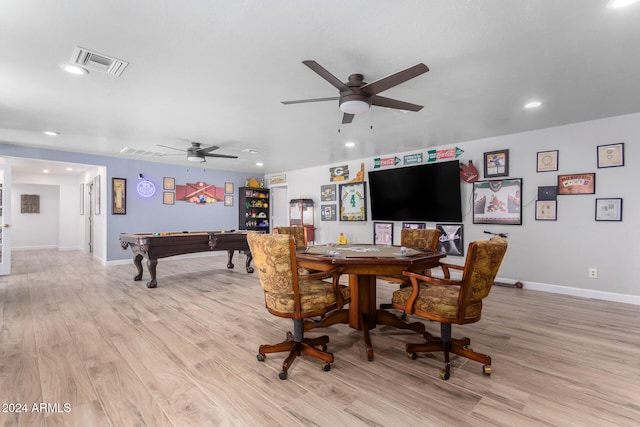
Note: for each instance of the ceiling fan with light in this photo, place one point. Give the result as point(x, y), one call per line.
point(357, 96)
point(197, 153)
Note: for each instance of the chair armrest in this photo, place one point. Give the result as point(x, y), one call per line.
point(446, 267)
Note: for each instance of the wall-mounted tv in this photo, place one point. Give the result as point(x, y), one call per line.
point(429, 192)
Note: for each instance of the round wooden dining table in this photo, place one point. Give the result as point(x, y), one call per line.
point(363, 263)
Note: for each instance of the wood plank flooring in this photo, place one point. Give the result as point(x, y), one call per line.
point(98, 349)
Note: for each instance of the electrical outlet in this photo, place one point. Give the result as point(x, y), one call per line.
point(593, 273)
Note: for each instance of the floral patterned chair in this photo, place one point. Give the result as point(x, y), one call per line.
point(450, 301)
point(291, 295)
point(424, 238)
point(296, 231)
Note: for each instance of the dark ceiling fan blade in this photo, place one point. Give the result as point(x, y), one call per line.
point(224, 156)
point(208, 149)
point(347, 118)
point(166, 146)
point(322, 72)
point(302, 101)
point(381, 101)
point(388, 82)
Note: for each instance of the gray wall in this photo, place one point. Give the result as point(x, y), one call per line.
point(546, 255)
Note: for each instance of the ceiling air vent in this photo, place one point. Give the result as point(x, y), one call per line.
point(98, 62)
point(139, 152)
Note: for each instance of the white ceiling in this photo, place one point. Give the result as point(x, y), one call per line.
point(216, 71)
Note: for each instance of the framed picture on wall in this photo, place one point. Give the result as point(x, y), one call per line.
point(417, 225)
point(168, 198)
point(228, 200)
point(496, 163)
point(546, 210)
point(328, 193)
point(383, 233)
point(328, 212)
point(451, 240)
point(168, 183)
point(228, 188)
point(611, 155)
point(609, 209)
point(497, 202)
point(119, 196)
point(353, 201)
point(547, 161)
point(579, 183)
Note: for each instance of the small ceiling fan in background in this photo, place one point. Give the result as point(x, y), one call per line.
point(357, 96)
point(197, 153)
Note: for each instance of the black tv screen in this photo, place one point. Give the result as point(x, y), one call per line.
point(429, 192)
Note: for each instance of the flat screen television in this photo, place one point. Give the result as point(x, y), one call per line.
point(429, 192)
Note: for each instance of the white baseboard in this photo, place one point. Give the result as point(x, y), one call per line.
point(584, 293)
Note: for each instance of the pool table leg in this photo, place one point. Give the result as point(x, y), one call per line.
point(248, 263)
point(230, 263)
point(151, 265)
point(137, 261)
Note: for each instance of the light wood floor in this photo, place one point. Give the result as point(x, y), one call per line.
point(100, 349)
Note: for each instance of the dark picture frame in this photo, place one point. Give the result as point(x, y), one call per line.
point(609, 209)
point(496, 163)
point(611, 155)
point(119, 196)
point(577, 183)
point(451, 240)
point(228, 199)
point(228, 188)
point(168, 198)
point(353, 201)
point(168, 183)
point(546, 210)
point(328, 193)
point(497, 201)
point(383, 233)
point(328, 212)
point(416, 225)
point(547, 161)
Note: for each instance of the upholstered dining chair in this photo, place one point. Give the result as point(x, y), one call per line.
point(453, 301)
point(291, 295)
point(423, 238)
point(296, 231)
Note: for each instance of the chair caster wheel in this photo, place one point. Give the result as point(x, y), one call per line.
point(326, 367)
point(486, 369)
point(444, 374)
point(412, 356)
point(282, 375)
point(403, 316)
point(261, 357)
point(324, 347)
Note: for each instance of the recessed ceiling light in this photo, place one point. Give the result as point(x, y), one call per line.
point(250, 151)
point(51, 133)
point(74, 69)
point(349, 144)
point(69, 169)
point(617, 4)
point(533, 104)
point(45, 170)
point(259, 164)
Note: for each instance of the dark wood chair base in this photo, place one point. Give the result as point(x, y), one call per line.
point(308, 346)
point(460, 346)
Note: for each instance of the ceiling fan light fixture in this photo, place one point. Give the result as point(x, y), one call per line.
point(354, 104)
point(194, 158)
